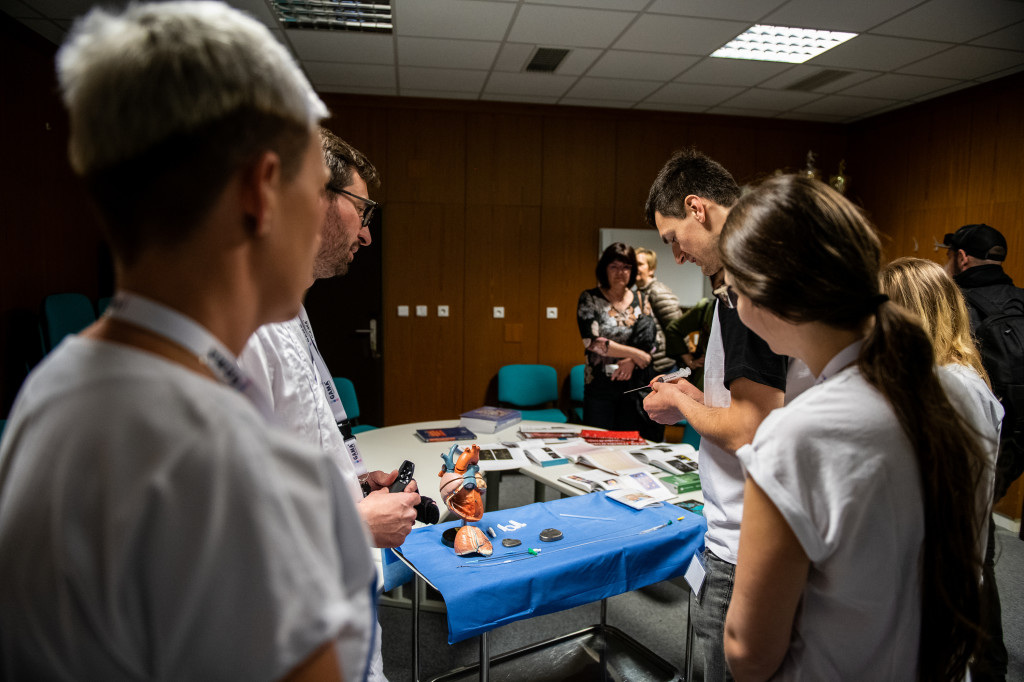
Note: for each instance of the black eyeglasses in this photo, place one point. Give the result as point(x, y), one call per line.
point(369, 205)
point(727, 295)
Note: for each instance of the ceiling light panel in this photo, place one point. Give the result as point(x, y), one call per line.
point(781, 44)
point(336, 15)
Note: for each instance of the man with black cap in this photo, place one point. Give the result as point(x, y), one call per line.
point(996, 308)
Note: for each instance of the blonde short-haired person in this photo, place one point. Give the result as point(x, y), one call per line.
point(664, 305)
point(153, 525)
point(856, 559)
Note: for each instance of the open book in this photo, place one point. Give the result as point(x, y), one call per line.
point(637, 499)
point(638, 481)
point(545, 456)
point(612, 461)
point(675, 459)
point(501, 457)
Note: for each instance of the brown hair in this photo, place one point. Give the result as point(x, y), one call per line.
point(689, 172)
point(616, 252)
point(799, 249)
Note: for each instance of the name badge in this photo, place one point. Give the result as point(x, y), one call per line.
point(695, 573)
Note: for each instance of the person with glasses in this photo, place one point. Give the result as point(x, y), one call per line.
point(859, 547)
point(284, 361)
point(743, 381)
point(619, 333)
point(154, 523)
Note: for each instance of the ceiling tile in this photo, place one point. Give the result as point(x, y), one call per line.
point(332, 73)
point(897, 86)
point(714, 71)
point(694, 95)
point(452, 19)
point(843, 105)
point(967, 62)
point(672, 106)
point(632, 5)
point(612, 89)
point(439, 94)
point(801, 71)
point(962, 85)
point(734, 111)
point(603, 103)
point(451, 54)
point(357, 90)
point(578, 61)
point(771, 100)
point(1010, 38)
point(679, 35)
point(47, 29)
point(17, 9)
point(856, 16)
point(737, 10)
point(513, 56)
point(808, 116)
point(568, 26)
point(954, 20)
point(338, 46)
point(540, 84)
point(621, 64)
point(877, 53)
point(527, 99)
point(1001, 74)
point(69, 9)
point(454, 80)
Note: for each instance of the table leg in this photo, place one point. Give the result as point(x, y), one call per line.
point(689, 642)
point(485, 659)
point(604, 612)
point(416, 629)
point(491, 496)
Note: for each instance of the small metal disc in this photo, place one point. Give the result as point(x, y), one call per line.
point(511, 542)
point(550, 535)
point(448, 537)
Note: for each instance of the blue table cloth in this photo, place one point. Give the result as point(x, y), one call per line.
point(596, 558)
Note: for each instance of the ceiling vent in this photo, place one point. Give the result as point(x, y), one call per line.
point(818, 80)
point(546, 59)
point(335, 15)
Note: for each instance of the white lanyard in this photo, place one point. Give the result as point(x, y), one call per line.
point(189, 334)
point(331, 392)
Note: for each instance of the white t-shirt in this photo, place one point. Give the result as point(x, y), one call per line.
point(837, 465)
point(152, 526)
point(277, 358)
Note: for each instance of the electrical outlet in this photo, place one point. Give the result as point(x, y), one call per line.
point(499, 312)
point(552, 313)
point(403, 311)
point(421, 311)
point(442, 311)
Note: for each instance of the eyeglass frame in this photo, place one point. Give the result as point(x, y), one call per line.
point(727, 295)
point(371, 205)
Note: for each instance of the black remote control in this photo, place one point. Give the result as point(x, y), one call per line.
point(405, 476)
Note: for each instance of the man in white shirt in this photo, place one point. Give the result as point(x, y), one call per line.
point(153, 525)
point(283, 359)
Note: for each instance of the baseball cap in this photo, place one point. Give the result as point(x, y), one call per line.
point(980, 241)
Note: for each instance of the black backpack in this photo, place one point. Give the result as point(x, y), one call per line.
point(1000, 338)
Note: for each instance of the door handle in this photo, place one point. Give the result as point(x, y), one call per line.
point(372, 333)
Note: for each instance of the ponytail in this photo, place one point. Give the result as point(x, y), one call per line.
point(949, 460)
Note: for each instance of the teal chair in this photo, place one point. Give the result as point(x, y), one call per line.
point(530, 386)
point(576, 391)
point(101, 305)
point(690, 435)
point(65, 314)
point(347, 393)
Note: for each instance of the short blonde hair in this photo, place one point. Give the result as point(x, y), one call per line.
point(652, 258)
point(923, 287)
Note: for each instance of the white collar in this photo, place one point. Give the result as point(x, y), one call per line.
point(840, 361)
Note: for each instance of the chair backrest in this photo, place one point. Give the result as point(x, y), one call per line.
point(102, 304)
point(65, 314)
point(347, 393)
point(576, 383)
point(527, 385)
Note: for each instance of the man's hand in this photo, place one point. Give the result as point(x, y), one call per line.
point(378, 480)
point(389, 516)
point(666, 402)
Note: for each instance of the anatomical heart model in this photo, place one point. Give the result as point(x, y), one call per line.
point(462, 488)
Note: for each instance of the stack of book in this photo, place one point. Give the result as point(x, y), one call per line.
point(612, 437)
point(489, 419)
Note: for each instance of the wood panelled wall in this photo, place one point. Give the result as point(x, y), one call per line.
point(926, 170)
point(501, 205)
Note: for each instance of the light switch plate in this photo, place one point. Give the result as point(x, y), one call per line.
point(421, 311)
point(442, 311)
point(403, 311)
point(499, 311)
point(552, 313)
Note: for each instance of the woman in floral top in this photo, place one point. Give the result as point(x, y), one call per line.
point(619, 334)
